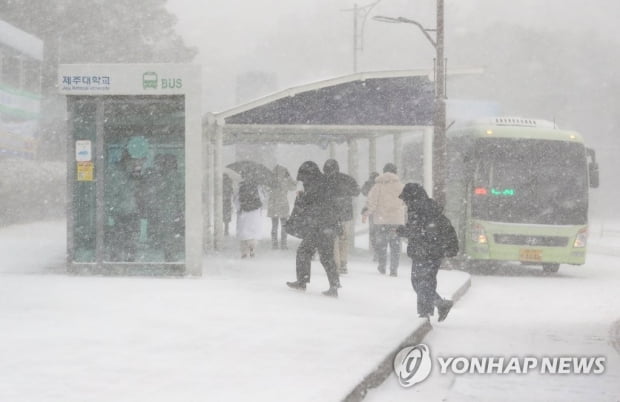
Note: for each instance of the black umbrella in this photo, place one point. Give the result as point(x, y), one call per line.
point(253, 171)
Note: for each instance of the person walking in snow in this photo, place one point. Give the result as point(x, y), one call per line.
point(388, 213)
point(277, 206)
point(345, 188)
point(314, 221)
point(248, 202)
point(372, 229)
point(431, 237)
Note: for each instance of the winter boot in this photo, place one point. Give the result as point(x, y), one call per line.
point(297, 285)
point(331, 292)
point(443, 308)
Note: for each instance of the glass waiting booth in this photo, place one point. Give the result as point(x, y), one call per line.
point(134, 163)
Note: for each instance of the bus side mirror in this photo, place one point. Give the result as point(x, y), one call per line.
point(592, 168)
point(593, 174)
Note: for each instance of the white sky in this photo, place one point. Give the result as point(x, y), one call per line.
point(303, 41)
point(307, 40)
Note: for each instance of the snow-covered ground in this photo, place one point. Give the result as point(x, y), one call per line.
point(235, 334)
point(605, 238)
point(517, 311)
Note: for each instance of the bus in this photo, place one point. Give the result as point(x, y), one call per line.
point(517, 190)
point(21, 57)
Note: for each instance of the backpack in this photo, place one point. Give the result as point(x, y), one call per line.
point(449, 239)
point(249, 199)
point(437, 240)
point(297, 223)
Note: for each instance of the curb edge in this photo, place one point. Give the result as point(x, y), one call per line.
point(384, 368)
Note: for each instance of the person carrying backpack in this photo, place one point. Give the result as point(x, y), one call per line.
point(431, 238)
point(248, 202)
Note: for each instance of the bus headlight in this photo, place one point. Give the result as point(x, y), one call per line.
point(581, 239)
point(478, 235)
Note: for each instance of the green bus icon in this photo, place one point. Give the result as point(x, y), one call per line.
point(149, 80)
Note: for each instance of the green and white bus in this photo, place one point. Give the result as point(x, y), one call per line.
point(517, 190)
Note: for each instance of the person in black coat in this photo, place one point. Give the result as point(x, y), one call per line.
point(320, 226)
point(426, 247)
point(345, 188)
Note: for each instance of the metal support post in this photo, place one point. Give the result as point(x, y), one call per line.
point(218, 170)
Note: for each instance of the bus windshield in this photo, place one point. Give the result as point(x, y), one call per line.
point(530, 181)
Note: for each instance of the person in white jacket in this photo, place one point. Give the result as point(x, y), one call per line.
point(248, 201)
point(388, 213)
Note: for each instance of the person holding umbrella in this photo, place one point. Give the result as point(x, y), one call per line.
point(254, 171)
point(249, 201)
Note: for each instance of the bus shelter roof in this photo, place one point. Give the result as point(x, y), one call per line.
point(360, 105)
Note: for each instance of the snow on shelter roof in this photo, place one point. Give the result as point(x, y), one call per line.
point(359, 105)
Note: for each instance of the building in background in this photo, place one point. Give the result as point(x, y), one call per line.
point(21, 55)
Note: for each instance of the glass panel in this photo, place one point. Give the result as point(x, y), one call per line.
point(530, 181)
point(144, 189)
point(84, 194)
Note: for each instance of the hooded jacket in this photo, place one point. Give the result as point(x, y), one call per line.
point(344, 188)
point(429, 232)
point(317, 201)
point(383, 202)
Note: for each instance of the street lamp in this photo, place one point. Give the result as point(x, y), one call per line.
point(358, 34)
point(439, 137)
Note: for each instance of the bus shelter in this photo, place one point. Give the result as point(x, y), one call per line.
point(133, 168)
point(349, 109)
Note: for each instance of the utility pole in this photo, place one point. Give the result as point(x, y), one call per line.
point(439, 117)
point(358, 29)
point(439, 139)
point(355, 41)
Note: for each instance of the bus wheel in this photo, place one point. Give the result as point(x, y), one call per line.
point(551, 268)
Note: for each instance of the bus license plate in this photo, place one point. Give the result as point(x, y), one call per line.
point(526, 254)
